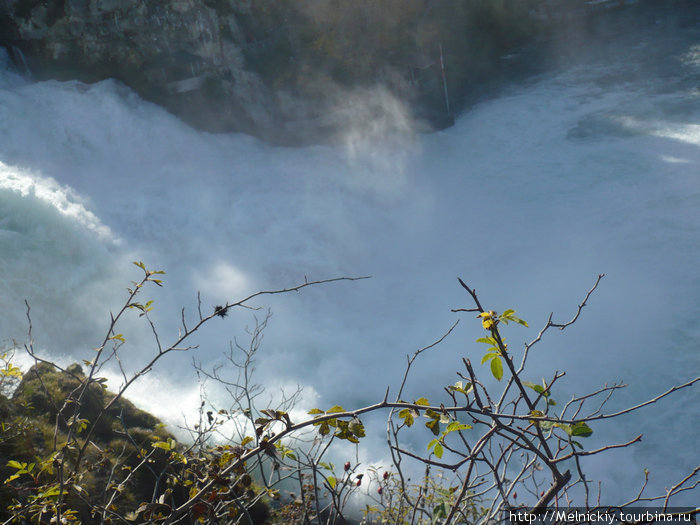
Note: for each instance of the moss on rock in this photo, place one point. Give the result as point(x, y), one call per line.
point(30, 433)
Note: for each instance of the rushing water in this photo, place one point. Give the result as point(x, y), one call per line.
point(592, 169)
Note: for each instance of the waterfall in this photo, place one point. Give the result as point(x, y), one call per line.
point(20, 61)
point(590, 169)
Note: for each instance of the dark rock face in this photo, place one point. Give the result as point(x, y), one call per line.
point(182, 54)
point(273, 68)
point(299, 70)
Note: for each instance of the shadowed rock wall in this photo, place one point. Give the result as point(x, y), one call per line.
point(182, 54)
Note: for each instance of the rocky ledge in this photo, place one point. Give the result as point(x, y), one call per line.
point(282, 69)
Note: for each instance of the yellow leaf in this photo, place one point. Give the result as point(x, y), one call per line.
point(487, 324)
point(488, 319)
point(536, 413)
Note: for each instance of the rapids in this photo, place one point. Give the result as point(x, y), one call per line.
point(592, 168)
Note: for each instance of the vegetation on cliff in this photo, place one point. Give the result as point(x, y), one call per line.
point(32, 431)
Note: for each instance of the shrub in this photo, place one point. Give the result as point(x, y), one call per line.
point(77, 452)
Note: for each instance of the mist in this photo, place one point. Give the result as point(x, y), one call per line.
point(528, 198)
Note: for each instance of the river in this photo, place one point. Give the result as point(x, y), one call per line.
point(591, 168)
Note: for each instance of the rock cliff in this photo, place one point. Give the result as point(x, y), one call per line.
point(183, 54)
point(281, 69)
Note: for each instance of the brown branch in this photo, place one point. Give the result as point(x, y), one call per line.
point(673, 489)
point(646, 403)
point(580, 306)
point(559, 483)
point(598, 450)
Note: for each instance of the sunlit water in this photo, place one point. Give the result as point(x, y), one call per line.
point(594, 169)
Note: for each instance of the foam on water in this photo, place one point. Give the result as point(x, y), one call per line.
point(528, 197)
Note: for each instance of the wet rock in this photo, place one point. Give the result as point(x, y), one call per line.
point(184, 55)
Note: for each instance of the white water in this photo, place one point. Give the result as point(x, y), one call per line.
point(528, 198)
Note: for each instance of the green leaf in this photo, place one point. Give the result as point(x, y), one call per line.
point(315, 411)
point(497, 368)
point(431, 414)
point(456, 426)
point(331, 482)
point(16, 464)
point(52, 491)
point(436, 447)
point(537, 388)
point(564, 426)
point(460, 387)
point(408, 416)
point(344, 432)
point(579, 445)
point(11, 371)
point(488, 357)
point(508, 316)
point(487, 341)
point(335, 409)
point(440, 511)
point(162, 444)
point(81, 425)
point(422, 401)
point(357, 428)
point(179, 457)
point(581, 429)
point(434, 426)
point(536, 413)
